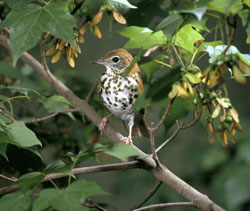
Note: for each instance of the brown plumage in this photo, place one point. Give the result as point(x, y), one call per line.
point(118, 93)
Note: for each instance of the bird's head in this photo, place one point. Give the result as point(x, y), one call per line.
point(117, 60)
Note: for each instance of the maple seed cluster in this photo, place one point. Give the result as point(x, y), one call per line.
point(62, 47)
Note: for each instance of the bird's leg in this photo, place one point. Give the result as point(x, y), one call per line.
point(104, 122)
point(128, 140)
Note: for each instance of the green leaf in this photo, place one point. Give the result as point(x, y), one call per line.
point(56, 102)
point(3, 148)
point(192, 78)
point(198, 25)
point(59, 167)
point(237, 186)
point(124, 3)
point(70, 199)
point(30, 180)
point(141, 37)
point(198, 12)
point(82, 189)
point(29, 21)
point(186, 37)
point(225, 7)
point(160, 88)
point(244, 15)
point(150, 67)
point(120, 150)
point(179, 110)
point(21, 136)
point(45, 198)
point(16, 201)
point(170, 24)
point(15, 3)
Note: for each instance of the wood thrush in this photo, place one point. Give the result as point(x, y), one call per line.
point(118, 93)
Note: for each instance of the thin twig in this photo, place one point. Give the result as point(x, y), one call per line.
point(234, 25)
point(175, 133)
point(91, 204)
point(8, 116)
point(11, 179)
point(83, 170)
point(77, 7)
point(43, 56)
point(150, 194)
point(91, 91)
point(48, 117)
point(172, 204)
point(151, 50)
point(152, 141)
point(157, 127)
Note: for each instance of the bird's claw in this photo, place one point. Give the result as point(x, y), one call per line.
point(127, 140)
point(102, 124)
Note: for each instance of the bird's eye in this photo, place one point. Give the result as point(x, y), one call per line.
point(116, 59)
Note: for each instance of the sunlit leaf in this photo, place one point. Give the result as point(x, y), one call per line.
point(186, 37)
point(141, 37)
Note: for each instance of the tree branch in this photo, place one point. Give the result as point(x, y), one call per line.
point(161, 173)
point(150, 194)
point(173, 204)
point(77, 171)
point(157, 127)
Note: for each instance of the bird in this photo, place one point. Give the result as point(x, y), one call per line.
point(118, 92)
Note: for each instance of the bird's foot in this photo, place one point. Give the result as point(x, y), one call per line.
point(127, 140)
point(102, 124)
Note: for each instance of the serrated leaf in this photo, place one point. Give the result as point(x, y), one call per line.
point(198, 25)
point(186, 37)
point(124, 3)
point(198, 12)
point(21, 136)
point(27, 23)
point(16, 201)
point(141, 37)
point(170, 24)
point(29, 180)
point(120, 150)
point(56, 102)
point(45, 198)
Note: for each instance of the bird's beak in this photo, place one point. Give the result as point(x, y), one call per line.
point(100, 61)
